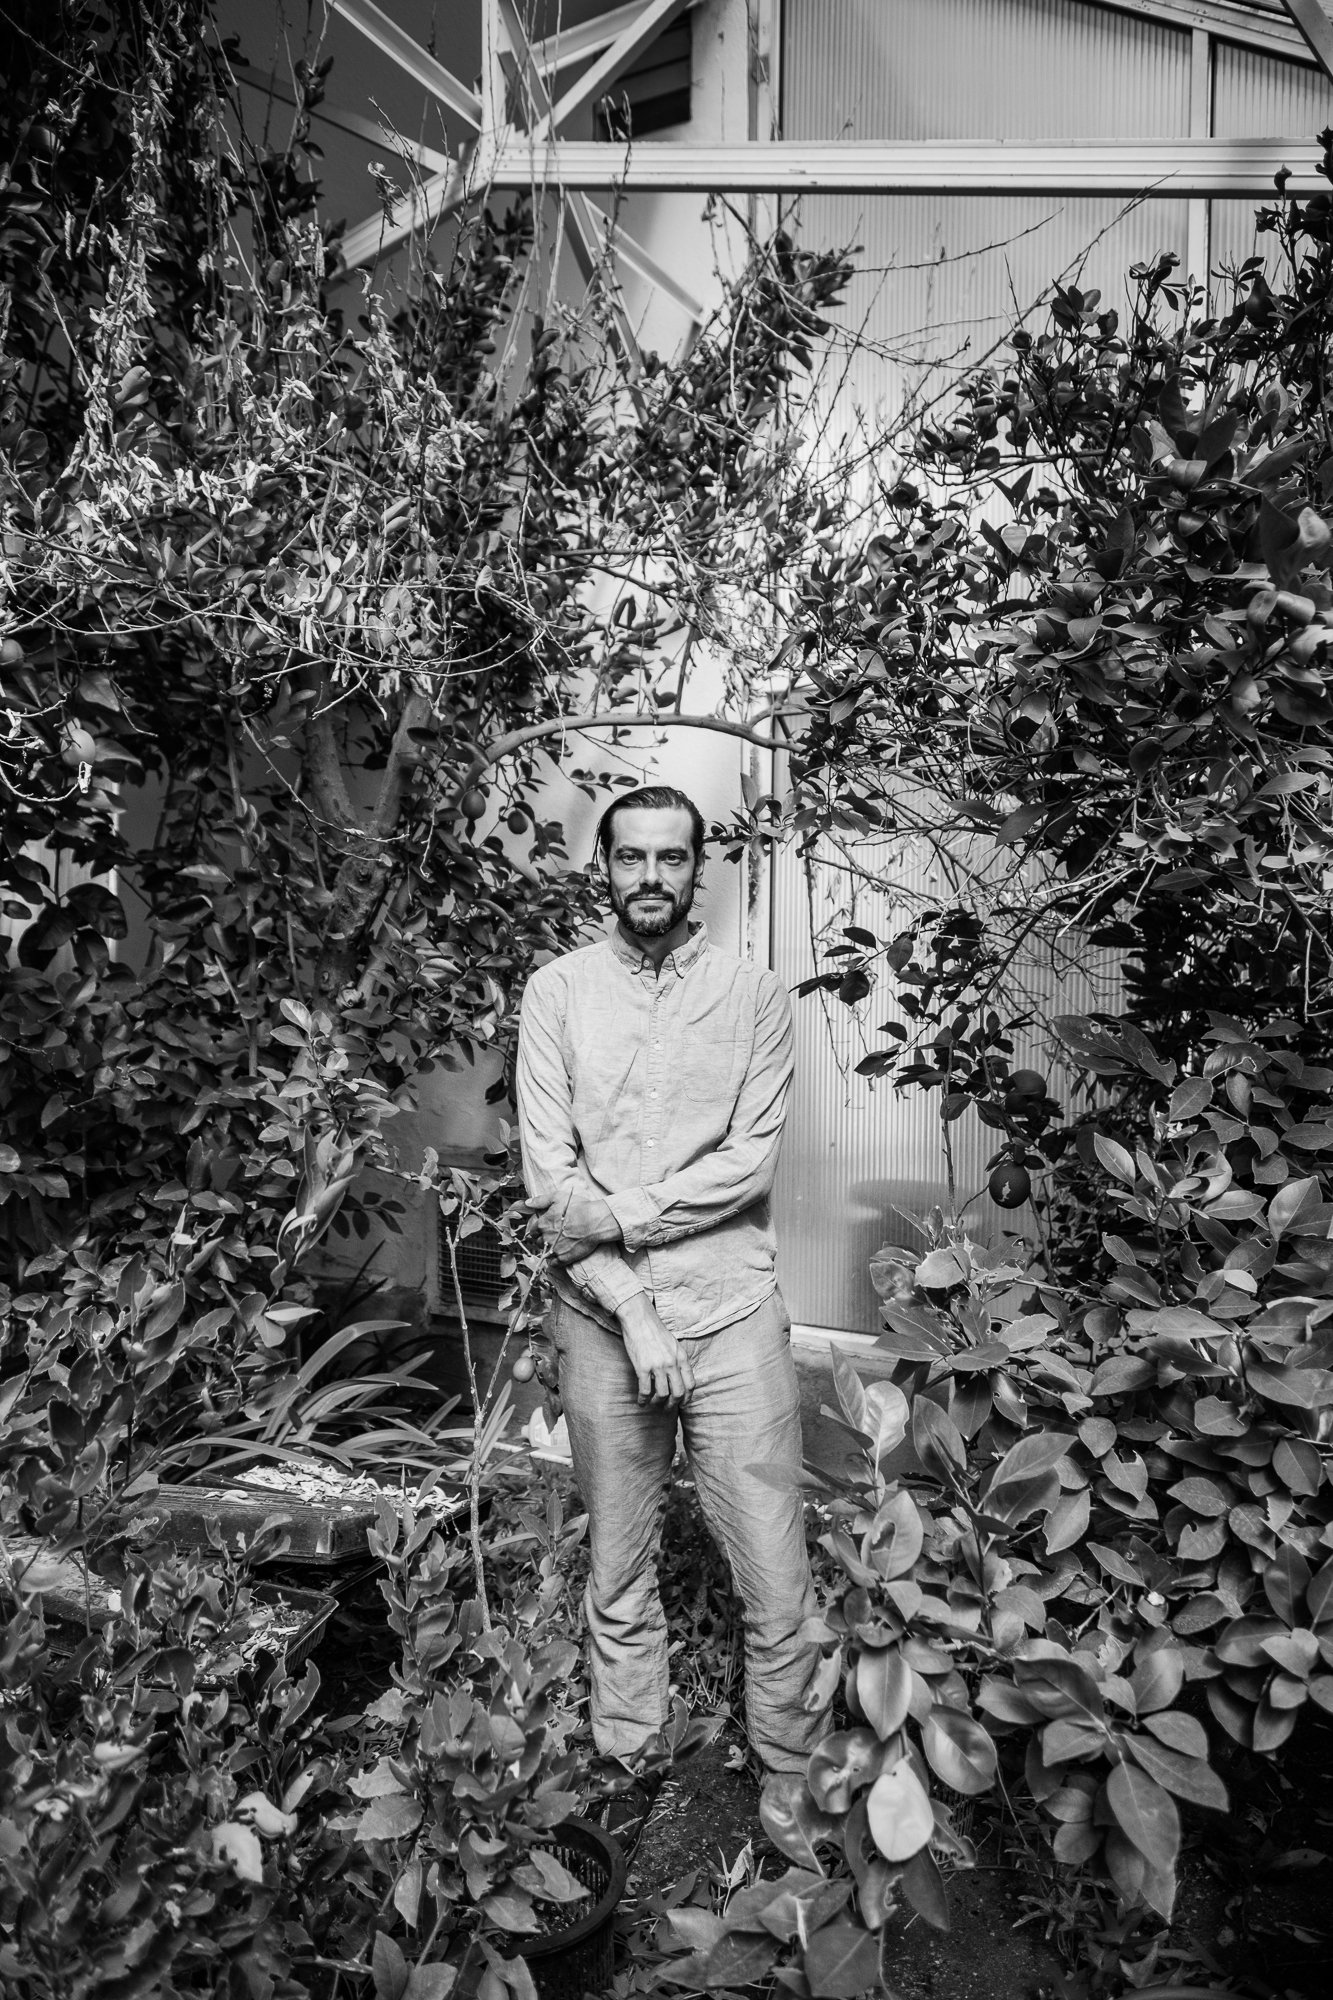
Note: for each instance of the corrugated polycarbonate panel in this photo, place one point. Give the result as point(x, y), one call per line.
point(941, 280)
point(864, 1164)
point(979, 69)
point(1258, 96)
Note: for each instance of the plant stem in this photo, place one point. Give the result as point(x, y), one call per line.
point(474, 1466)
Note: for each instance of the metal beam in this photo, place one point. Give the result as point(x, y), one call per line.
point(649, 22)
point(1228, 169)
point(635, 258)
point(586, 38)
point(409, 55)
point(1231, 21)
point(270, 84)
point(589, 253)
point(427, 207)
point(1314, 18)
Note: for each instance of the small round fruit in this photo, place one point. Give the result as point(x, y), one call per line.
point(1010, 1185)
point(78, 746)
point(516, 821)
point(1027, 1083)
point(473, 803)
point(524, 1368)
point(11, 653)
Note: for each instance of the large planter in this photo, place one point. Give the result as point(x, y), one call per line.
point(579, 1958)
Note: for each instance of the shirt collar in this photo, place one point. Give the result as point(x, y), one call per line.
point(680, 960)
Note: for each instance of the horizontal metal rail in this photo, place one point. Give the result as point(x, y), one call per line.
point(1226, 169)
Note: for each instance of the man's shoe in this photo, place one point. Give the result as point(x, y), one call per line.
point(626, 1815)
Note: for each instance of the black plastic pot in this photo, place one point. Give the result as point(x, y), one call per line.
point(580, 1958)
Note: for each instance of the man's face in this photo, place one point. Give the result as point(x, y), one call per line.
point(652, 869)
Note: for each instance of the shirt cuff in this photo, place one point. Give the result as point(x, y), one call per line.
point(606, 1279)
point(638, 1215)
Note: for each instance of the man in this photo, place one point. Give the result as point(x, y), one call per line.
point(653, 1073)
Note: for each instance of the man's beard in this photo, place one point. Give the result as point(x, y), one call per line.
point(644, 919)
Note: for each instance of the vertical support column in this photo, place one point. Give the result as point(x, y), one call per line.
point(492, 92)
point(1198, 249)
point(763, 29)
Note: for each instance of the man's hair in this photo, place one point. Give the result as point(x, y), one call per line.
point(650, 798)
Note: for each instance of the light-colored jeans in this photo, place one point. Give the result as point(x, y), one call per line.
point(744, 1411)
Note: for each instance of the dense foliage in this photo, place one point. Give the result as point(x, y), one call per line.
point(1102, 695)
point(316, 597)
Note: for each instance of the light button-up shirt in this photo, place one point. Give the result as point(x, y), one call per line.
point(665, 1093)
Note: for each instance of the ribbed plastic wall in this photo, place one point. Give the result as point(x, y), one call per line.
point(863, 1163)
point(942, 279)
point(979, 69)
point(1258, 96)
point(939, 283)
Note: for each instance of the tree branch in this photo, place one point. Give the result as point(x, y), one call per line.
point(504, 746)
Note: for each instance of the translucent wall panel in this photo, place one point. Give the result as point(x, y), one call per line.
point(943, 279)
point(1258, 96)
point(863, 1164)
point(979, 69)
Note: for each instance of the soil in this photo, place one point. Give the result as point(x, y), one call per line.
point(705, 1813)
point(1256, 1890)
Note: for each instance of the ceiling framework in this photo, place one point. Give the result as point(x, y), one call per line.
point(527, 149)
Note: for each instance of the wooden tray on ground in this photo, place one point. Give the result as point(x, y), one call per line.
point(287, 1621)
point(326, 1528)
point(322, 1533)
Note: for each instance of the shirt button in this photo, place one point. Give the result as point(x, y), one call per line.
point(650, 1142)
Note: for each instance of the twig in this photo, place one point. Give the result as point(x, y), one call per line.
point(474, 1467)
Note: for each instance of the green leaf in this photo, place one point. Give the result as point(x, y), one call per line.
point(1156, 1680)
point(841, 1766)
point(1287, 1204)
point(886, 1414)
point(389, 1968)
point(1188, 1777)
point(1041, 1452)
point(240, 1846)
point(1179, 1731)
point(884, 1689)
point(923, 1886)
point(1145, 1813)
point(1115, 1159)
point(389, 1818)
point(841, 1961)
point(792, 1820)
point(431, 1982)
point(960, 1751)
point(940, 1270)
point(896, 1533)
point(1189, 1098)
point(936, 1439)
point(850, 1393)
point(740, 1958)
point(1286, 1580)
point(511, 1910)
point(899, 1812)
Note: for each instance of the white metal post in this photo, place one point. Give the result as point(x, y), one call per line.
point(1199, 247)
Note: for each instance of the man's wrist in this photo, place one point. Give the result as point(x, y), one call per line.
point(631, 1311)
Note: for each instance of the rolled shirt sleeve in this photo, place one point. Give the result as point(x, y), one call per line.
point(551, 1164)
point(740, 1170)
